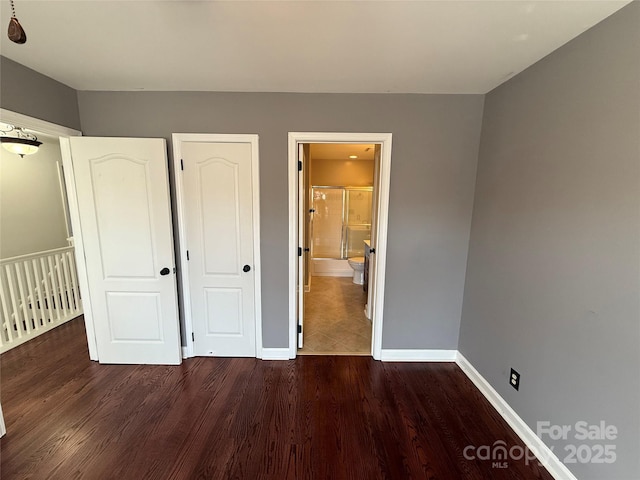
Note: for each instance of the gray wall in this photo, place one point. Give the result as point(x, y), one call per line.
point(32, 217)
point(435, 145)
point(552, 285)
point(28, 92)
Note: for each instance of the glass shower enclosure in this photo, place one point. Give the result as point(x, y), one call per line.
point(340, 221)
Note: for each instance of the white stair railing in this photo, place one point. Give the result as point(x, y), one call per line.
point(37, 293)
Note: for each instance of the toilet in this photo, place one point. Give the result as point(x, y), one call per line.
point(357, 263)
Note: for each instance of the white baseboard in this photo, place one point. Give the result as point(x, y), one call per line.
point(545, 455)
point(275, 354)
point(267, 353)
point(3, 428)
point(407, 355)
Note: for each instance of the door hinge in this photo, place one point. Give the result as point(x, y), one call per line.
point(312, 210)
point(299, 165)
point(372, 250)
point(187, 254)
point(306, 249)
point(181, 165)
point(299, 251)
point(193, 337)
point(299, 328)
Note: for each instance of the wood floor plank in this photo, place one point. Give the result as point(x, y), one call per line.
point(317, 417)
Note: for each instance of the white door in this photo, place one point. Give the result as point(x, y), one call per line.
point(219, 237)
point(371, 287)
point(302, 215)
point(123, 201)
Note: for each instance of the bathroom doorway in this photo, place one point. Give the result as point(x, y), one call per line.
point(339, 219)
point(338, 189)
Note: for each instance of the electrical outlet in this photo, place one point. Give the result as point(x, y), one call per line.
point(514, 379)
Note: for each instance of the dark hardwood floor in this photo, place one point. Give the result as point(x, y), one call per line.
point(318, 417)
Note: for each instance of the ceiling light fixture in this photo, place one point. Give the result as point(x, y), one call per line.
point(353, 156)
point(16, 33)
point(19, 142)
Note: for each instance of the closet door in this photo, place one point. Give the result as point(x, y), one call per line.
point(123, 201)
point(221, 268)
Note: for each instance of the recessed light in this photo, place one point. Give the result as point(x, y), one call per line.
point(353, 156)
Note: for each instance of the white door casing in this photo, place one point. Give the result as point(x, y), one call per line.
point(123, 203)
point(217, 186)
point(302, 214)
point(377, 280)
point(371, 288)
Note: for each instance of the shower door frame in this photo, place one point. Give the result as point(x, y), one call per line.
point(344, 230)
point(381, 225)
point(345, 216)
point(312, 221)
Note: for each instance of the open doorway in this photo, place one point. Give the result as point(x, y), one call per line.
point(339, 190)
point(39, 278)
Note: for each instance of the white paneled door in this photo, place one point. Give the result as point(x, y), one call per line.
point(217, 205)
point(123, 200)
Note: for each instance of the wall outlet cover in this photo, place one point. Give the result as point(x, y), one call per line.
point(514, 379)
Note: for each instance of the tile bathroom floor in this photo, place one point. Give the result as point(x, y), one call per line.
point(334, 320)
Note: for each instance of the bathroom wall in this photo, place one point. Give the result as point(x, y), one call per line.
point(353, 173)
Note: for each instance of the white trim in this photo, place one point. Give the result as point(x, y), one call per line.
point(544, 454)
point(40, 126)
point(63, 199)
point(185, 352)
point(3, 428)
point(275, 354)
point(177, 140)
point(384, 139)
point(257, 259)
point(408, 355)
point(78, 243)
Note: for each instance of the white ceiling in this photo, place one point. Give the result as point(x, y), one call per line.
point(393, 46)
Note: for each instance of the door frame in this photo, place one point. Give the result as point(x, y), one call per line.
point(63, 133)
point(185, 291)
point(384, 139)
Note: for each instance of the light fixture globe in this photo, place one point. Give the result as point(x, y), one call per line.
point(20, 146)
point(16, 140)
